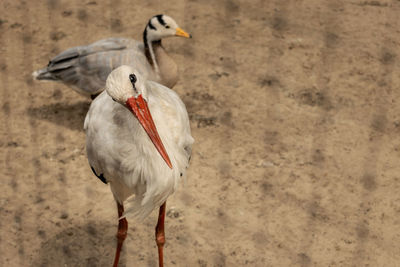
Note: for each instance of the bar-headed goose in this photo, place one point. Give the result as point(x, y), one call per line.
point(86, 68)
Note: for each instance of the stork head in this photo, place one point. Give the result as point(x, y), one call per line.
point(127, 87)
point(125, 82)
point(162, 26)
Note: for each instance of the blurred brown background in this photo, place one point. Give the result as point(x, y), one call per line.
point(294, 108)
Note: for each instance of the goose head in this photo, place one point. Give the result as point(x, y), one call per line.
point(162, 26)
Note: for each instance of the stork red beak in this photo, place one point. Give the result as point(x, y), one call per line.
point(139, 108)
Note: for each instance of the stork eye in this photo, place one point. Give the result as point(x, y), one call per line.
point(114, 99)
point(132, 77)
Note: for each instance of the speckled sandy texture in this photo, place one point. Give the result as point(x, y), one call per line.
point(294, 106)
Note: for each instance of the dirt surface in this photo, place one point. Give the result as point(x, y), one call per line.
point(294, 107)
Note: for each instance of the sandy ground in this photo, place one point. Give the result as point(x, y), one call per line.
point(294, 106)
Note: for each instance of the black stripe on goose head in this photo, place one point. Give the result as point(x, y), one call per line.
point(160, 19)
point(151, 26)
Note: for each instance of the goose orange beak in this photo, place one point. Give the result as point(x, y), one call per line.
point(180, 32)
point(140, 109)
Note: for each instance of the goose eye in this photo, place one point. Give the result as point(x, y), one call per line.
point(114, 99)
point(167, 27)
point(132, 77)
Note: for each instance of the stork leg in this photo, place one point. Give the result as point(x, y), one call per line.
point(160, 235)
point(121, 234)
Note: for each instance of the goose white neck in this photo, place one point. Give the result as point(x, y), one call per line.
point(153, 57)
point(149, 50)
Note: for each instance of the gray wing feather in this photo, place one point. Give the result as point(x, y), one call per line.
point(87, 67)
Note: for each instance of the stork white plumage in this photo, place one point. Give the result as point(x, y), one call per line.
point(138, 140)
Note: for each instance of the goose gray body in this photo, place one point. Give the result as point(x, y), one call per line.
point(86, 68)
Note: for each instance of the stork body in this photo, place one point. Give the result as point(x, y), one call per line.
point(127, 154)
point(86, 68)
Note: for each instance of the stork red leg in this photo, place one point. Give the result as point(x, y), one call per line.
point(121, 234)
point(160, 235)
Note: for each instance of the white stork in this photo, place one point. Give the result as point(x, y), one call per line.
point(138, 140)
point(86, 68)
